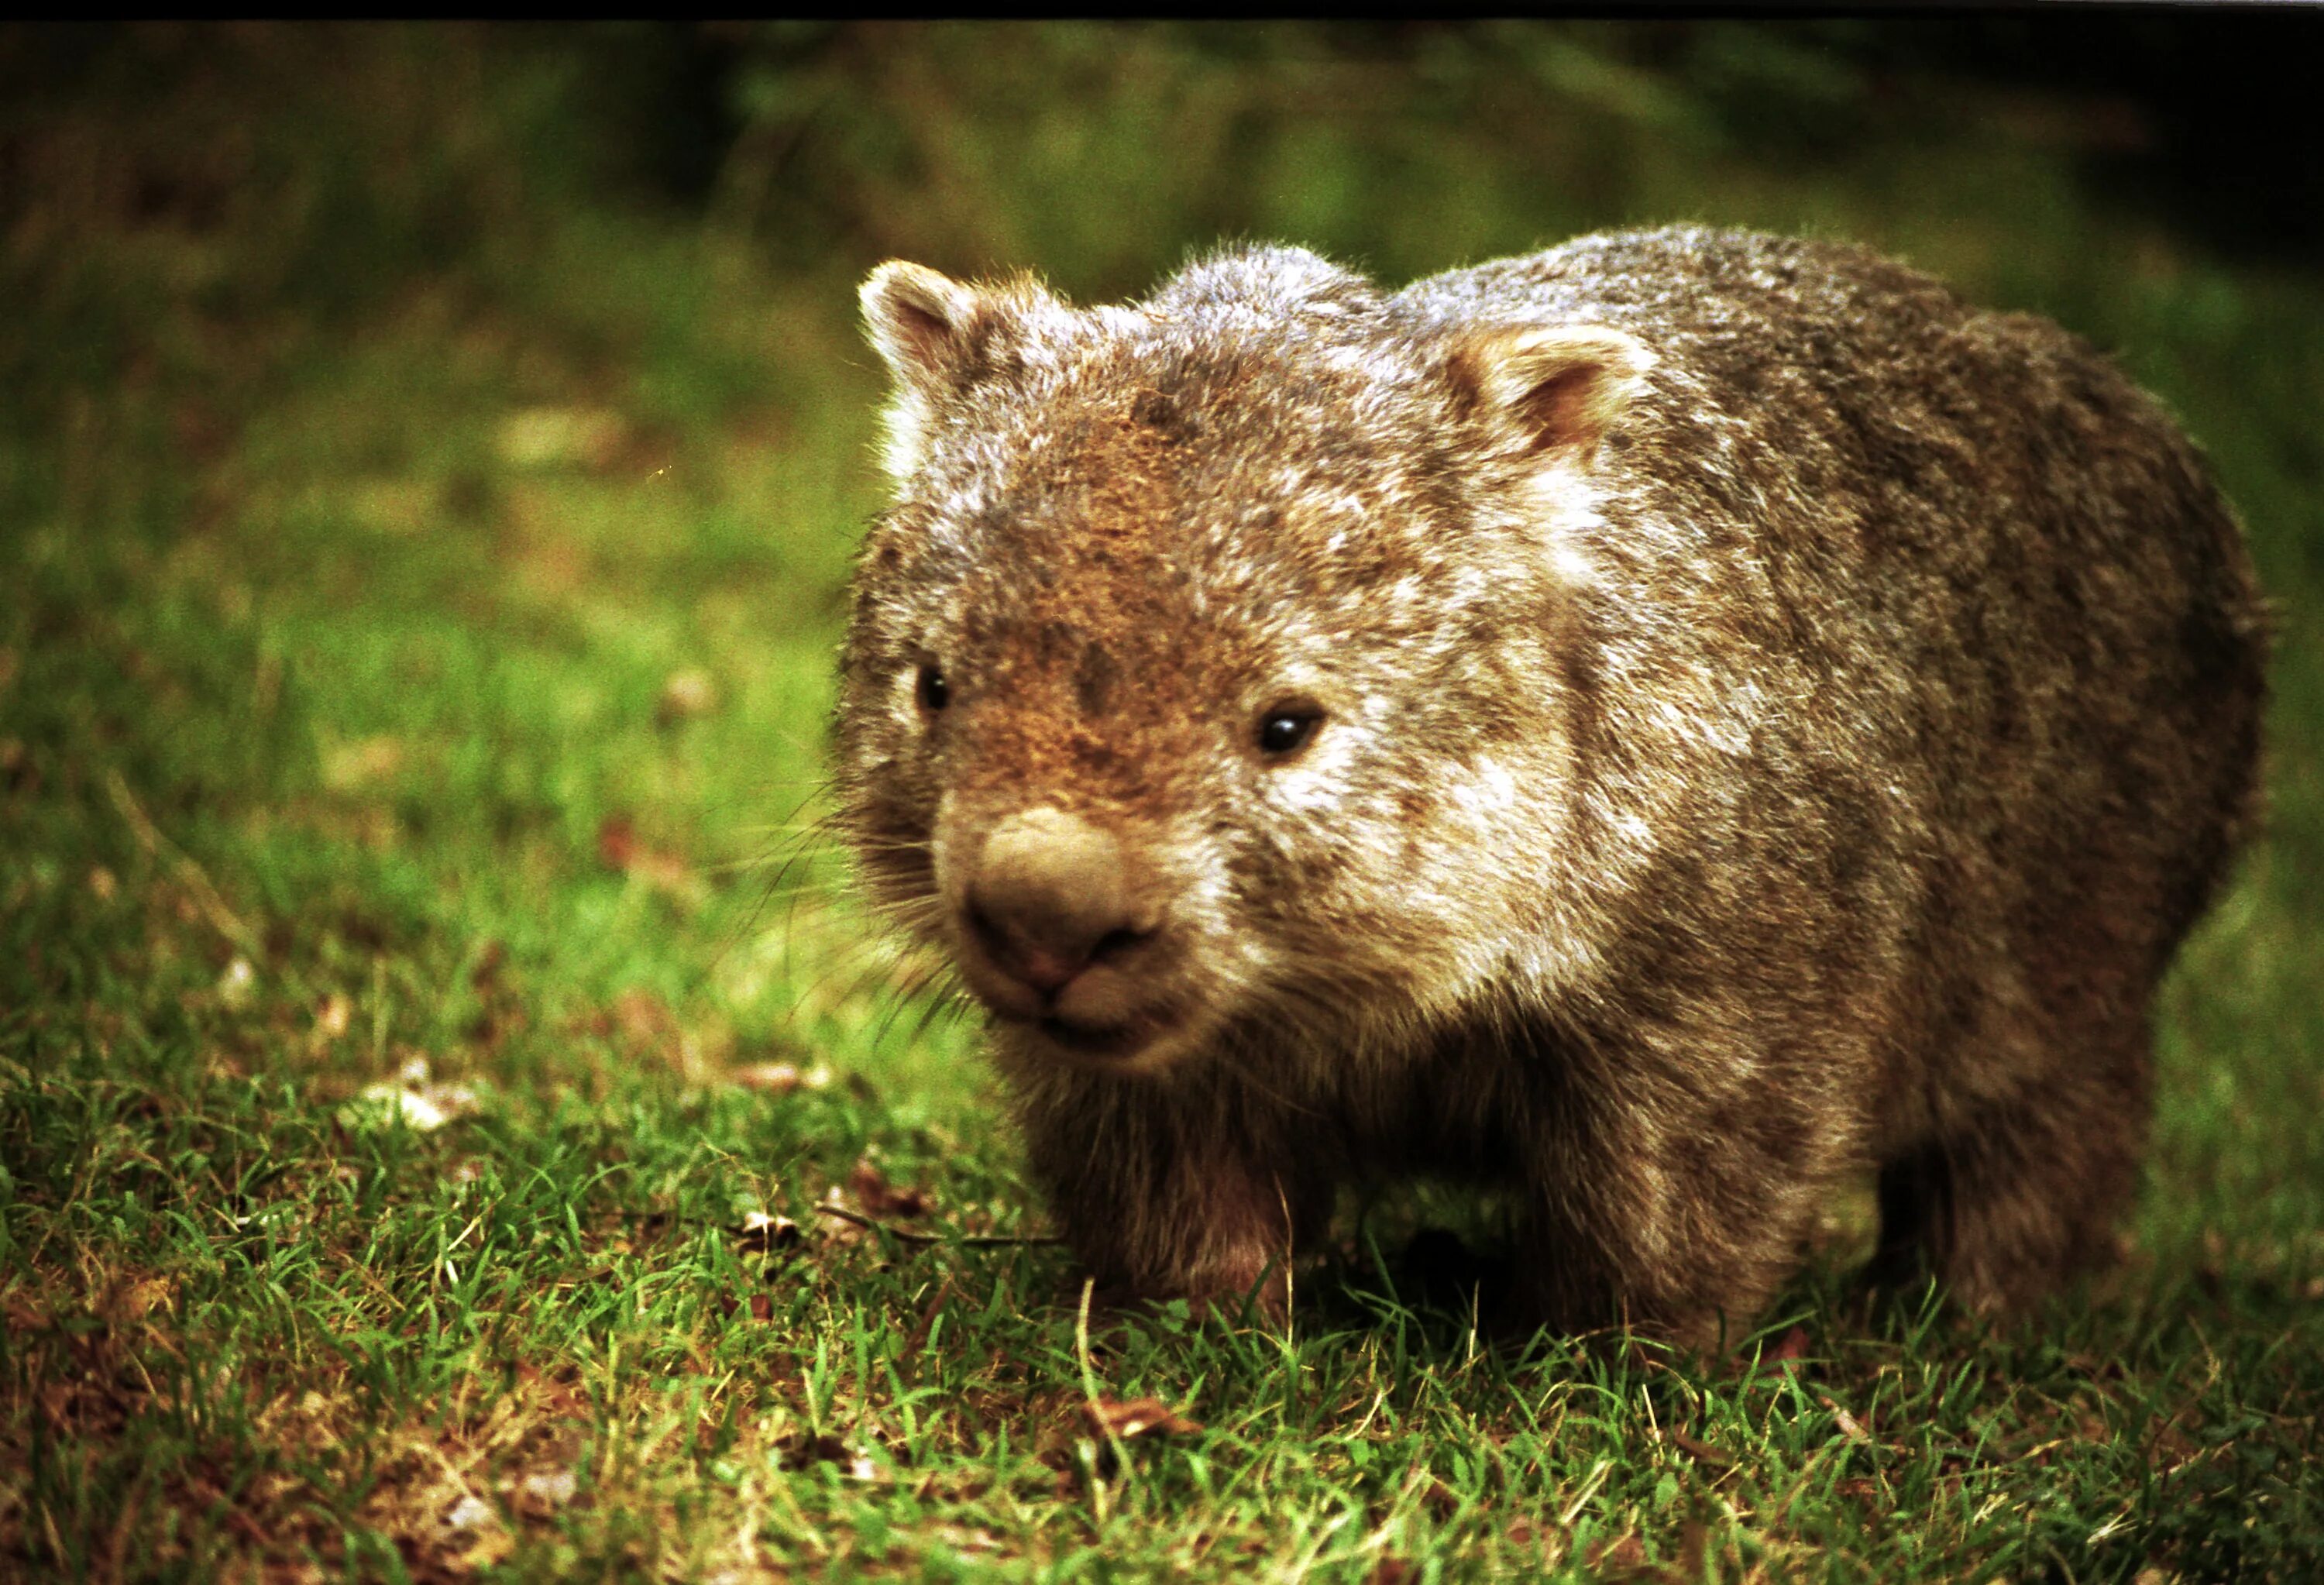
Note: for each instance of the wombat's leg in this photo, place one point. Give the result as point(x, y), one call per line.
point(1156, 1214)
point(1684, 1243)
point(2024, 1195)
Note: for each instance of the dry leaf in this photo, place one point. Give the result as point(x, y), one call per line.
point(619, 849)
point(685, 695)
point(780, 1078)
point(878, 1198)
point(544, 1492)
point(548, 437)
point(1787, 1349)
point(332, 1014)
point(1620, 1558)
point(962, 1539)
point(555, 1393)
point(474, 1527)
point(1391, 1570)
point(1849, 1427)
point(830, 1449)
point(1109, 1418)
point(237, 984)
point(1695, 1448)
point(471, 1513)
point(763, 1234)
point(423, 1107)
point(927, 1323)
point(132, 1300)
point(644, 1020)
point(362, 762)
point(617, 843)
point(489, 1026)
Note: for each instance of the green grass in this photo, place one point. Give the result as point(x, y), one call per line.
point(412, 675)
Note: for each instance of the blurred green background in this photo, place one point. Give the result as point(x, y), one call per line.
point(431, 457)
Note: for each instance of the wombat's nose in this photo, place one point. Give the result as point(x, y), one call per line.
point(1052, 894)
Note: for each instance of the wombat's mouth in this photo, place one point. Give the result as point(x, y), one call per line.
point(1145, 1042)
point(1100, 1041)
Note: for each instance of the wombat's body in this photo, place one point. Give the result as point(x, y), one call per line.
point(1661, 727)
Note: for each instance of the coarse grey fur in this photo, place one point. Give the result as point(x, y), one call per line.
point(1661, 727)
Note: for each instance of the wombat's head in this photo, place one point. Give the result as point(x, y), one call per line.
point(1209, 674)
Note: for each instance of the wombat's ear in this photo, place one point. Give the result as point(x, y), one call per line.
point(939, 334)
point(1561, 387)
point(917, 319)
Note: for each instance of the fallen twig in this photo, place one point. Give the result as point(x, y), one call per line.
point(961, 1240)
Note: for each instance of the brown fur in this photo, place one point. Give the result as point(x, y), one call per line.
point(1771, 720)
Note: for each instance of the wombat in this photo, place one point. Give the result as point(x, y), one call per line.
point(1663, 727)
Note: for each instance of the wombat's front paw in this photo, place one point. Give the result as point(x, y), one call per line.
point(1266, 1292)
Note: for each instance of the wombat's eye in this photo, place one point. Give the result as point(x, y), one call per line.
point(1285, 728)
point(932, 691)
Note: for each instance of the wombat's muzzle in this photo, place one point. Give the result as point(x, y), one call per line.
point(1058, 923)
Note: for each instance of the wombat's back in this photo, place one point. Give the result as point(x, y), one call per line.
point(2007, 629)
